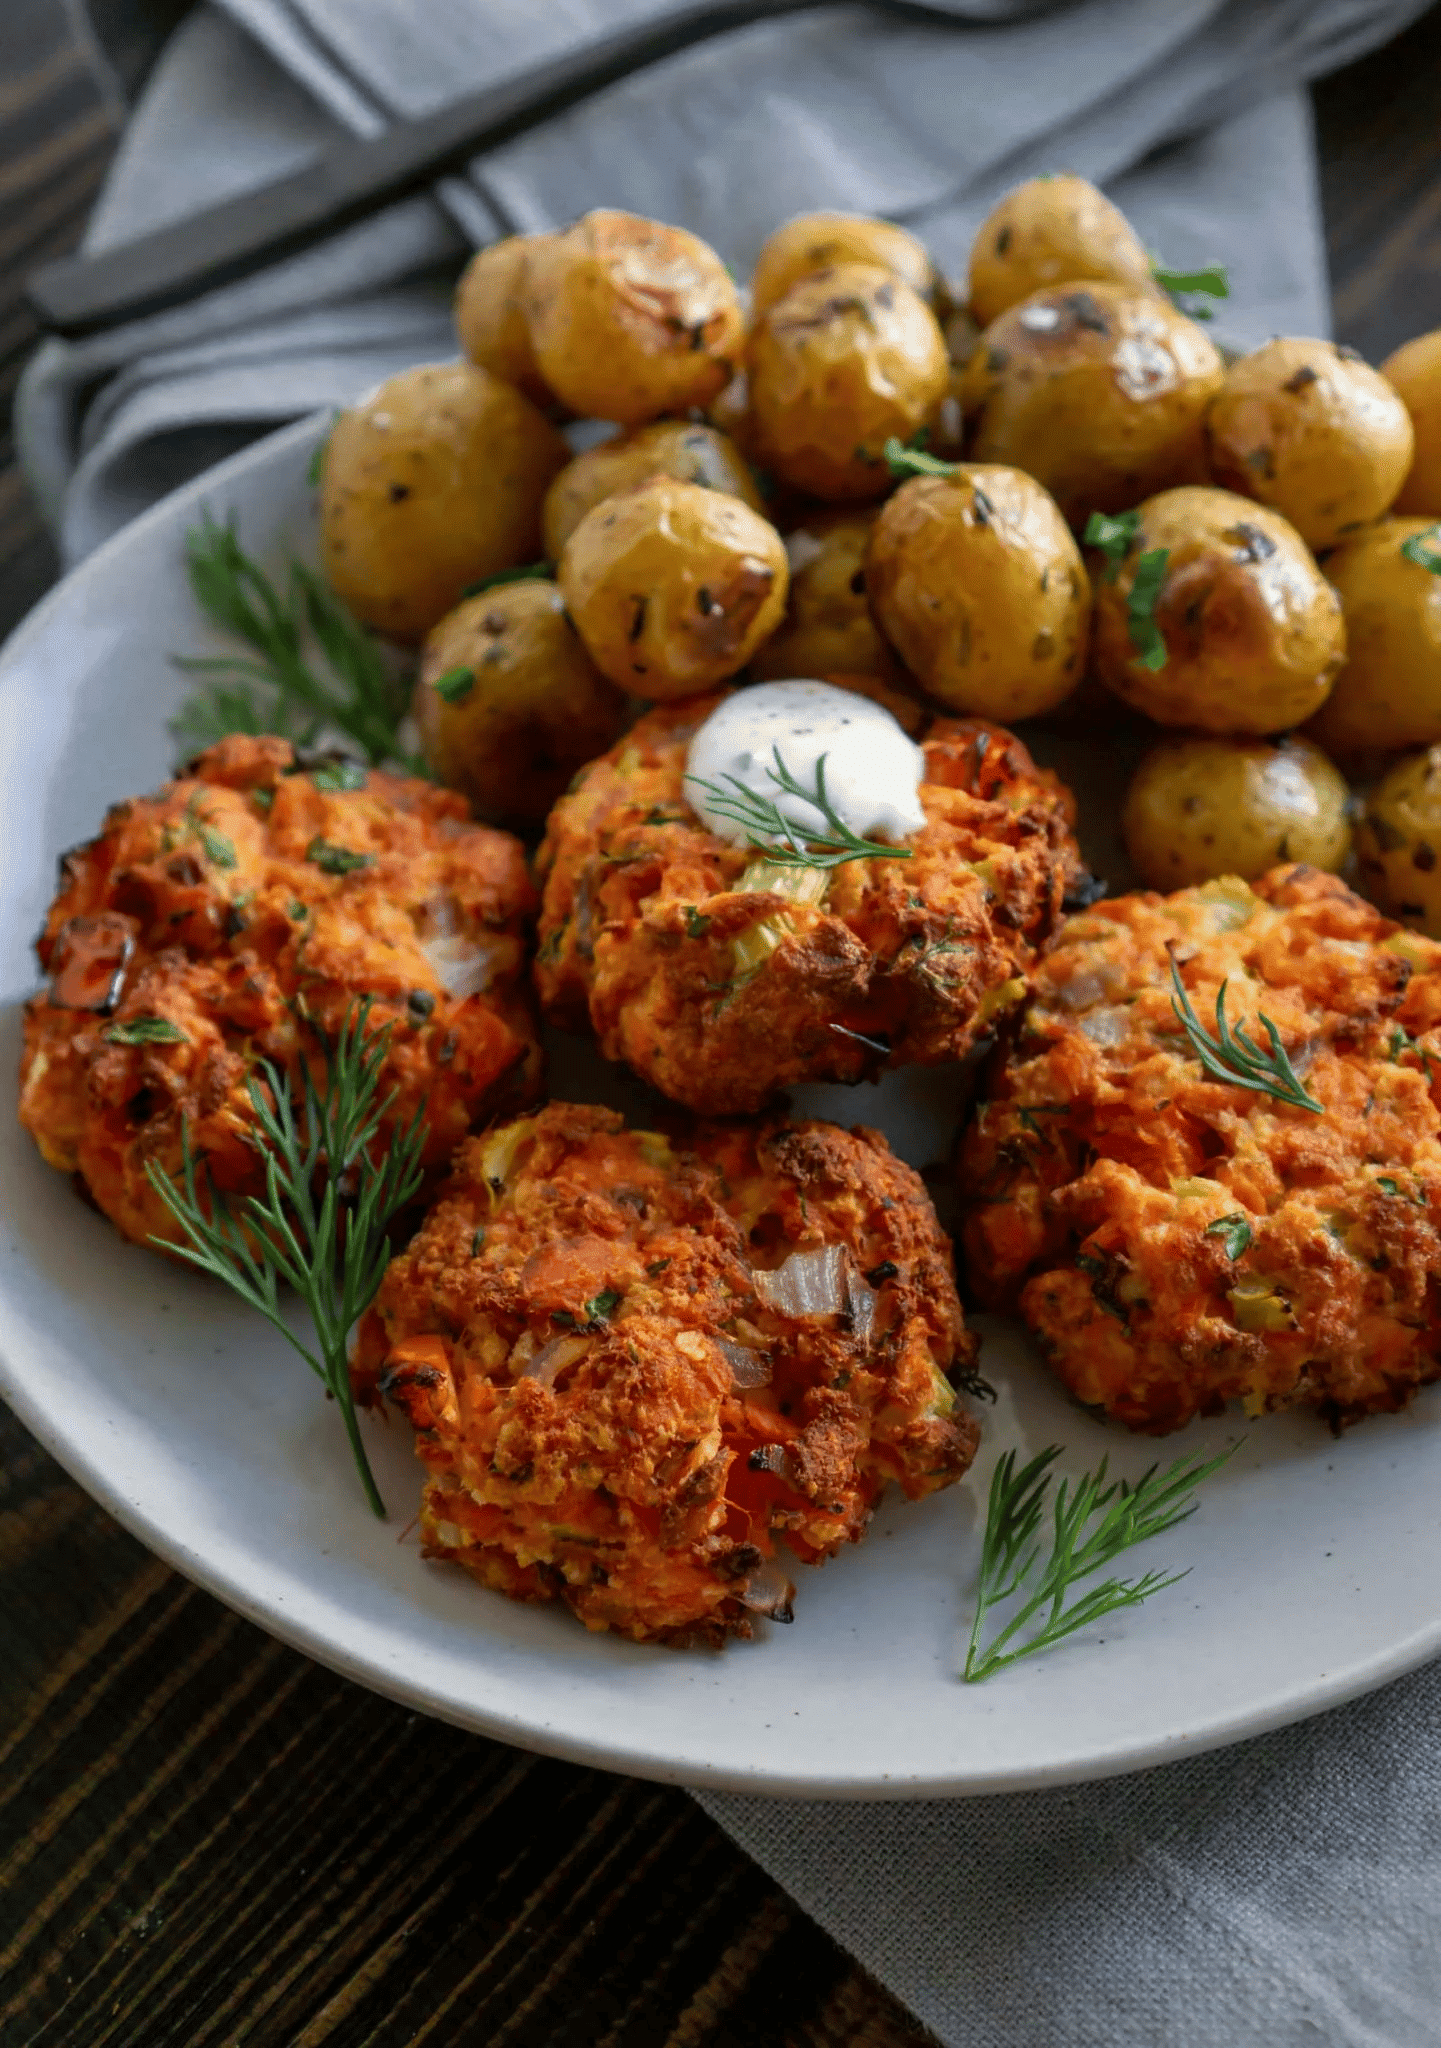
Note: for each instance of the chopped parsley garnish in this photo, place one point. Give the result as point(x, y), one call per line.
point(1146, 585)
point(338, 776)
point(455, 684)
point(1234, 1233)
point(1113, 536)
point(601, 1307)
point(1424, 549)
point(146, 1031)
point(337, 860)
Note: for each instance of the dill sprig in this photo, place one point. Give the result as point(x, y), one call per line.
point(1234, 1057)
point(276, 689)
point(332, 1249)
point(786, 843)
point(1092, 1522)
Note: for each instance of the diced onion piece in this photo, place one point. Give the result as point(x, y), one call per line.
point(810, 1283)
point(748, 1368)
point(553, 1358)
point(768, 1591)
point(861, 1301)
point(462, 966)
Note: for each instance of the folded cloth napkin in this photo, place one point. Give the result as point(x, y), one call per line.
point(1282, 1894)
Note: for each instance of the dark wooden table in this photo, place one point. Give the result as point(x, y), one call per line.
point(207, 1841)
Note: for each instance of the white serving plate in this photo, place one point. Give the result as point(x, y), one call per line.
point(1315, 1564)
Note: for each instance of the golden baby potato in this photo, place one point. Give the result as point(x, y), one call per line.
point(1314, 432)
point(509, 704)
point(673, 587)
point(629, 318)
point(1052, 231)
point(434, 481)
point(1414, 373)
point(828, 629)
point(1098, 391)
point(1389, 693)
point(820, 241)
point(847, 359)
point(1398, 841)
point(687, 449)
point(1198, 808)
point(490, 315)
point(1250, 630)
point(976, 581)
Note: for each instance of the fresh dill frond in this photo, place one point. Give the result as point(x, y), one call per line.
point(1093, 1520)
point(786, 843)
point(1234, 1057)
point(331, 1194)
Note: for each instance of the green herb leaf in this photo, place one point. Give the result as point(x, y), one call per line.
point(1113, 536)
point(533, 572)
point(455, 684)
point(1384, 1180)
point(1234, 1057)
point(1234, 1233)
point(146, 1031)
point(1092, 1522)
point(904, 460)
point(477, 1242)
point(1424, 549)
point(601, 1307)
point(786, 843)
point(337, 860)
point(1211, 279)
point(696, 926)
point(336, 777)
point(1146, 584)
point(316, 469)
point(262, 799)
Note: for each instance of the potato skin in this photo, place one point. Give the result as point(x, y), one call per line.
point(490, 315)
point(1414, 372)
point(1099, 392)
point(1198, 808)
point(1398, 841)
point(1312, 431)
point(673, 587)
point(687, 449)
point(819, 241)
point(976, 580)
point(434, 481)
point(535, 711)
point(1052, 231)
point(629, 318)
point(828, 628)
point(1254, 634)
point(1389, 693)
point(846, 359)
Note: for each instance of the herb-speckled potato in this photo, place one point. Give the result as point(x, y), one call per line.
point(1253, 631)
point(673, 587)
point(848, 358)
point(1398, 841)
point(975, 579)
point(1414, 371)
point(1052, 231)
point(434, 482)
point(687, 449)
point(1098, 391)
point(490, 315)
point(509, 704)
point(629, 318)
point(1389, 693)
point(828, 628)
point(820, 241)
point(1315, 433)
point(1198, 808)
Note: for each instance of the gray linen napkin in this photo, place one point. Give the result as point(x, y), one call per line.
point(1282, 1894)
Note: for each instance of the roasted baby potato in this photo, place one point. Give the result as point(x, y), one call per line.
point(828, 628)
point(1398, 841)
point(687, 449)
point(490, 315)
point(1250, 630)
point(846, 359)
point(509, 704)
point(1414, 371)
point(1312, 431)
point(820, 241)
point(1098, 391)
point(974, 578)
point(629, 318)
point(673, 587)
point(1052, 231)
point(433, 482)
point(1197, 808)
point(1389, 693)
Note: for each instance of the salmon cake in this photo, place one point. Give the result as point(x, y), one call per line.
point(635, 1362)
point(1176, 1241)
point(236, 916)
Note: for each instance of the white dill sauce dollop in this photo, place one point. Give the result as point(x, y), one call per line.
point(872, 775)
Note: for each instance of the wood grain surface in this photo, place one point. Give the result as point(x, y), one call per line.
point(206, 1840)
